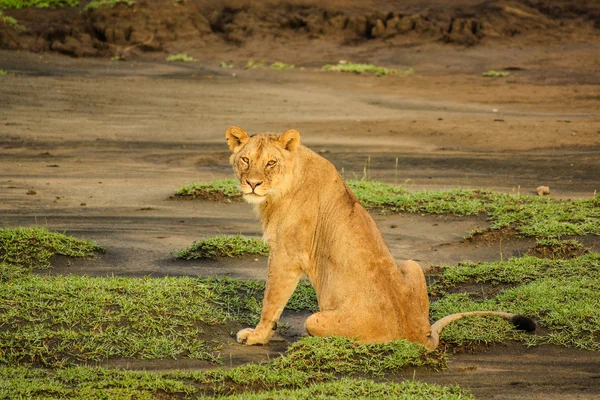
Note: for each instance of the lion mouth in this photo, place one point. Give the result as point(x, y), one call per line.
point(254, 198)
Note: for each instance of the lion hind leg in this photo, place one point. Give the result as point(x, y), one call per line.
point(338, 323)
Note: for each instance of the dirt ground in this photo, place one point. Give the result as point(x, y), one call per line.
point(96, 148)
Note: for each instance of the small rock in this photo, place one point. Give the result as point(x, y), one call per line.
point(543, 190)
point(31, 192)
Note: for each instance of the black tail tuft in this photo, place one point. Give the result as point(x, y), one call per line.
point(523, 323)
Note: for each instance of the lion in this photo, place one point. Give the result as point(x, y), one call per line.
point(315, 226)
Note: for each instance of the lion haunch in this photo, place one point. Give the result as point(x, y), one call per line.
point(314, 225)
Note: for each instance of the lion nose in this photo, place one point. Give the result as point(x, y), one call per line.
point(253, 184)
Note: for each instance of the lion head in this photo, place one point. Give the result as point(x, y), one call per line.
point(263, 163)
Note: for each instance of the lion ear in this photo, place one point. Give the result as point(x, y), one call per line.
point(290, 140)
point(236, 137)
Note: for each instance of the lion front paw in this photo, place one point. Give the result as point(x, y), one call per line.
point(249, 337)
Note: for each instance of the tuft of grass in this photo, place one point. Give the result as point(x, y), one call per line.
point(556, 248)
point(182, 57)
point(34, 247)
point(13, 23)
point(533, 216)
point(3, 72)
point(563, 295)
point(224, 246)
point(347, 66)
point(223, 190)
point(339, 355)
point(38, 3)
point(225, 64)
point(373, 192)
point(495, 74)
point(96, 4)
point(251, 64)
point(279, 65)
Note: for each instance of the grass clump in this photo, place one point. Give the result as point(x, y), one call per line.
point(96, 4)
point(556, 248)
point(220, 190)
point(38, 3)
point(13, 23)
point(3, 72)
point(279, 65)
point(562, 295)
point(224, 246)
point(182, 57)
point(251, 64)
point(225, 64)
point(530, 215)
point(339, 355)
point(495, 74)
point(34, 247)
point(347, 66)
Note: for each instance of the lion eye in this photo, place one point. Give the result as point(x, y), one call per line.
point(271, 163)
point(245, 159)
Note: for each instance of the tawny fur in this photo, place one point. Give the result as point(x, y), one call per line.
point(314, 225)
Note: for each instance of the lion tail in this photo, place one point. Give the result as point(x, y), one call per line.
point(520, 322)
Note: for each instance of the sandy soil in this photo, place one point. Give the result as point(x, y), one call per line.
point(104, 145)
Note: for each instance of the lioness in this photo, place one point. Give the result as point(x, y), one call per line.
point(314, 225)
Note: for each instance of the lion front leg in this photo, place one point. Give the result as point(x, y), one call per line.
point(281, 283)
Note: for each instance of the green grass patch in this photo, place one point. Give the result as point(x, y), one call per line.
point(339, 355)
point(38, 3)
point(225, 64)
point(251, 64)
point(308, 361)
point(182, 57)
point(57, 320)
point(347, 66)
point(13, 23)
point(495, 74)
point(534, 216)
point(226, 190)
point(30, 248)
point(518, 271)
point(224, 246)
point(346, 388)
point(54, 321)
point(96, 4)
point(293, 375)
point(557, 249)
point(3, 72)
point(562, 295)
point(280, 65)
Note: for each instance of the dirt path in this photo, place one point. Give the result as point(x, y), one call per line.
point(104, 145)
